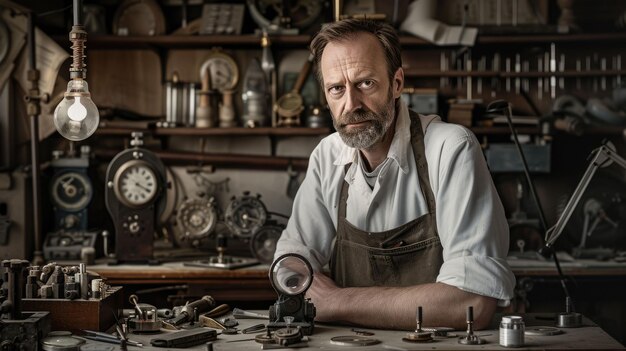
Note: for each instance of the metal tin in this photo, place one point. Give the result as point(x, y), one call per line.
point(512, 331)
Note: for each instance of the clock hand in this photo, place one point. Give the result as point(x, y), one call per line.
point(142, 187)
point(66, 183)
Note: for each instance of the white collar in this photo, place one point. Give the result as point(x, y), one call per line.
point(397, 149)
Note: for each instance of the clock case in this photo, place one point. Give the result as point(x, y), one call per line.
point(135, 226)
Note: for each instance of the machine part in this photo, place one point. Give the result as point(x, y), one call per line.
point(145, 320)
point(14, 269)
point(288, 336)
point(211, 323)
point(83, 281)
point(185, 338)
point(243, 314)
point(68, 245)
point(289, 106)
point(245, 215)
point(229, 322)
point(254, 329)
point(362, 332)
point(263, 243)
point(222, 18)
point(192, 309)
point(95, 288)
point(26, 333)
point(227, 110)
point(421, 336)
point(512, 331)
point(353, 340)
point(198, 218)
point(569, 320)
point(542, 331)
point(230, 331)
point(274, 18)
point(57, 342)
point(443, 332)
point(223, 70)
point(470, 338)
point(135, 200)
point(267, 338)
point(256, 92)
point(219, 311)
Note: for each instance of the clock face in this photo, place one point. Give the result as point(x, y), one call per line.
point(71, 191)
point(136, 184)
point(223, 70)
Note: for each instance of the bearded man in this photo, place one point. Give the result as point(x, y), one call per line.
point(400, 206)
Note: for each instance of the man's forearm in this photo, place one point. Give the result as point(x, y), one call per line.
point(394, 307)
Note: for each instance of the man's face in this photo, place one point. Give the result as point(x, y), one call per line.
point(358, 90)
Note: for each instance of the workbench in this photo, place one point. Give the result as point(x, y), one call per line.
point(587, 337)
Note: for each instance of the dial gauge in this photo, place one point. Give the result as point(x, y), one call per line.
point(222, 69)
point(245, 215)
point(71, 191)
point(135, 183)
point(198, 218)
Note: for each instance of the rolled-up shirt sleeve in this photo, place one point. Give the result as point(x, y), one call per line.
point(471, 222)
point(310, 230)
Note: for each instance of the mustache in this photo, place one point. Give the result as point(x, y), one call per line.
point(357, 116)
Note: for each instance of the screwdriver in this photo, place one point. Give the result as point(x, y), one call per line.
point(104, 337)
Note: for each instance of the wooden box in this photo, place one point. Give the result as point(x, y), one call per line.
point(76, 315)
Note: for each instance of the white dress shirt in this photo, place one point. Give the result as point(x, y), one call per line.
point(470, 219)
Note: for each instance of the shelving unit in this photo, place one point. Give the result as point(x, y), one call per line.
point(302, 41)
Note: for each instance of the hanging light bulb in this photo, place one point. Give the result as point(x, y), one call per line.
point(76, 117)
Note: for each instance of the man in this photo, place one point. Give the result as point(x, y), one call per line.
point(401, 206)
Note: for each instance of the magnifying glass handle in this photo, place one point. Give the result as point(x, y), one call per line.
point(304, 73)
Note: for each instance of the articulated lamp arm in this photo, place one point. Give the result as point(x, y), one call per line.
point(602, 157)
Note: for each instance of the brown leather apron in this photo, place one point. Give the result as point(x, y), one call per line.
point(408, 255)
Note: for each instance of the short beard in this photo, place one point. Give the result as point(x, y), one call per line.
point(366, 138)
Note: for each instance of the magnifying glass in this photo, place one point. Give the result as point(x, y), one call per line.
point(289, 106)
point(291, 276)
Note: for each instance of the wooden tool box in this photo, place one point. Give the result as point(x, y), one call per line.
point(79, 314)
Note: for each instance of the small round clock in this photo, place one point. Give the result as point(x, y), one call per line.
point(135, 183)
point(71, 191)
point(223, 70)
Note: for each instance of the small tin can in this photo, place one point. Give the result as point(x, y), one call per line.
point(512, 331)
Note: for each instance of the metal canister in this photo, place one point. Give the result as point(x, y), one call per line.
point(512, 331)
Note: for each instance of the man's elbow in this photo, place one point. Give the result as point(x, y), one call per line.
point(484, 308)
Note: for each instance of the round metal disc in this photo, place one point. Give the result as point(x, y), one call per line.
point(61, 343)
point(353, 340)
point(423, 336)
point(542, 331)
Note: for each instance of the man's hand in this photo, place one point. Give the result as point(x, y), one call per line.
point(394, 307)
point(321, 294)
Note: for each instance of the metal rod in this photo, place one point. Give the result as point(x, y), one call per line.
point(33, 111)
point(526, 172)
point(78, 12)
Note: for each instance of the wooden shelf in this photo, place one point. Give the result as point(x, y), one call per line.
point(492, 74)
point(302, 41)
point(205, 132)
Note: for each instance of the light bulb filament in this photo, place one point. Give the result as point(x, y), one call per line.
point(77, 112)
